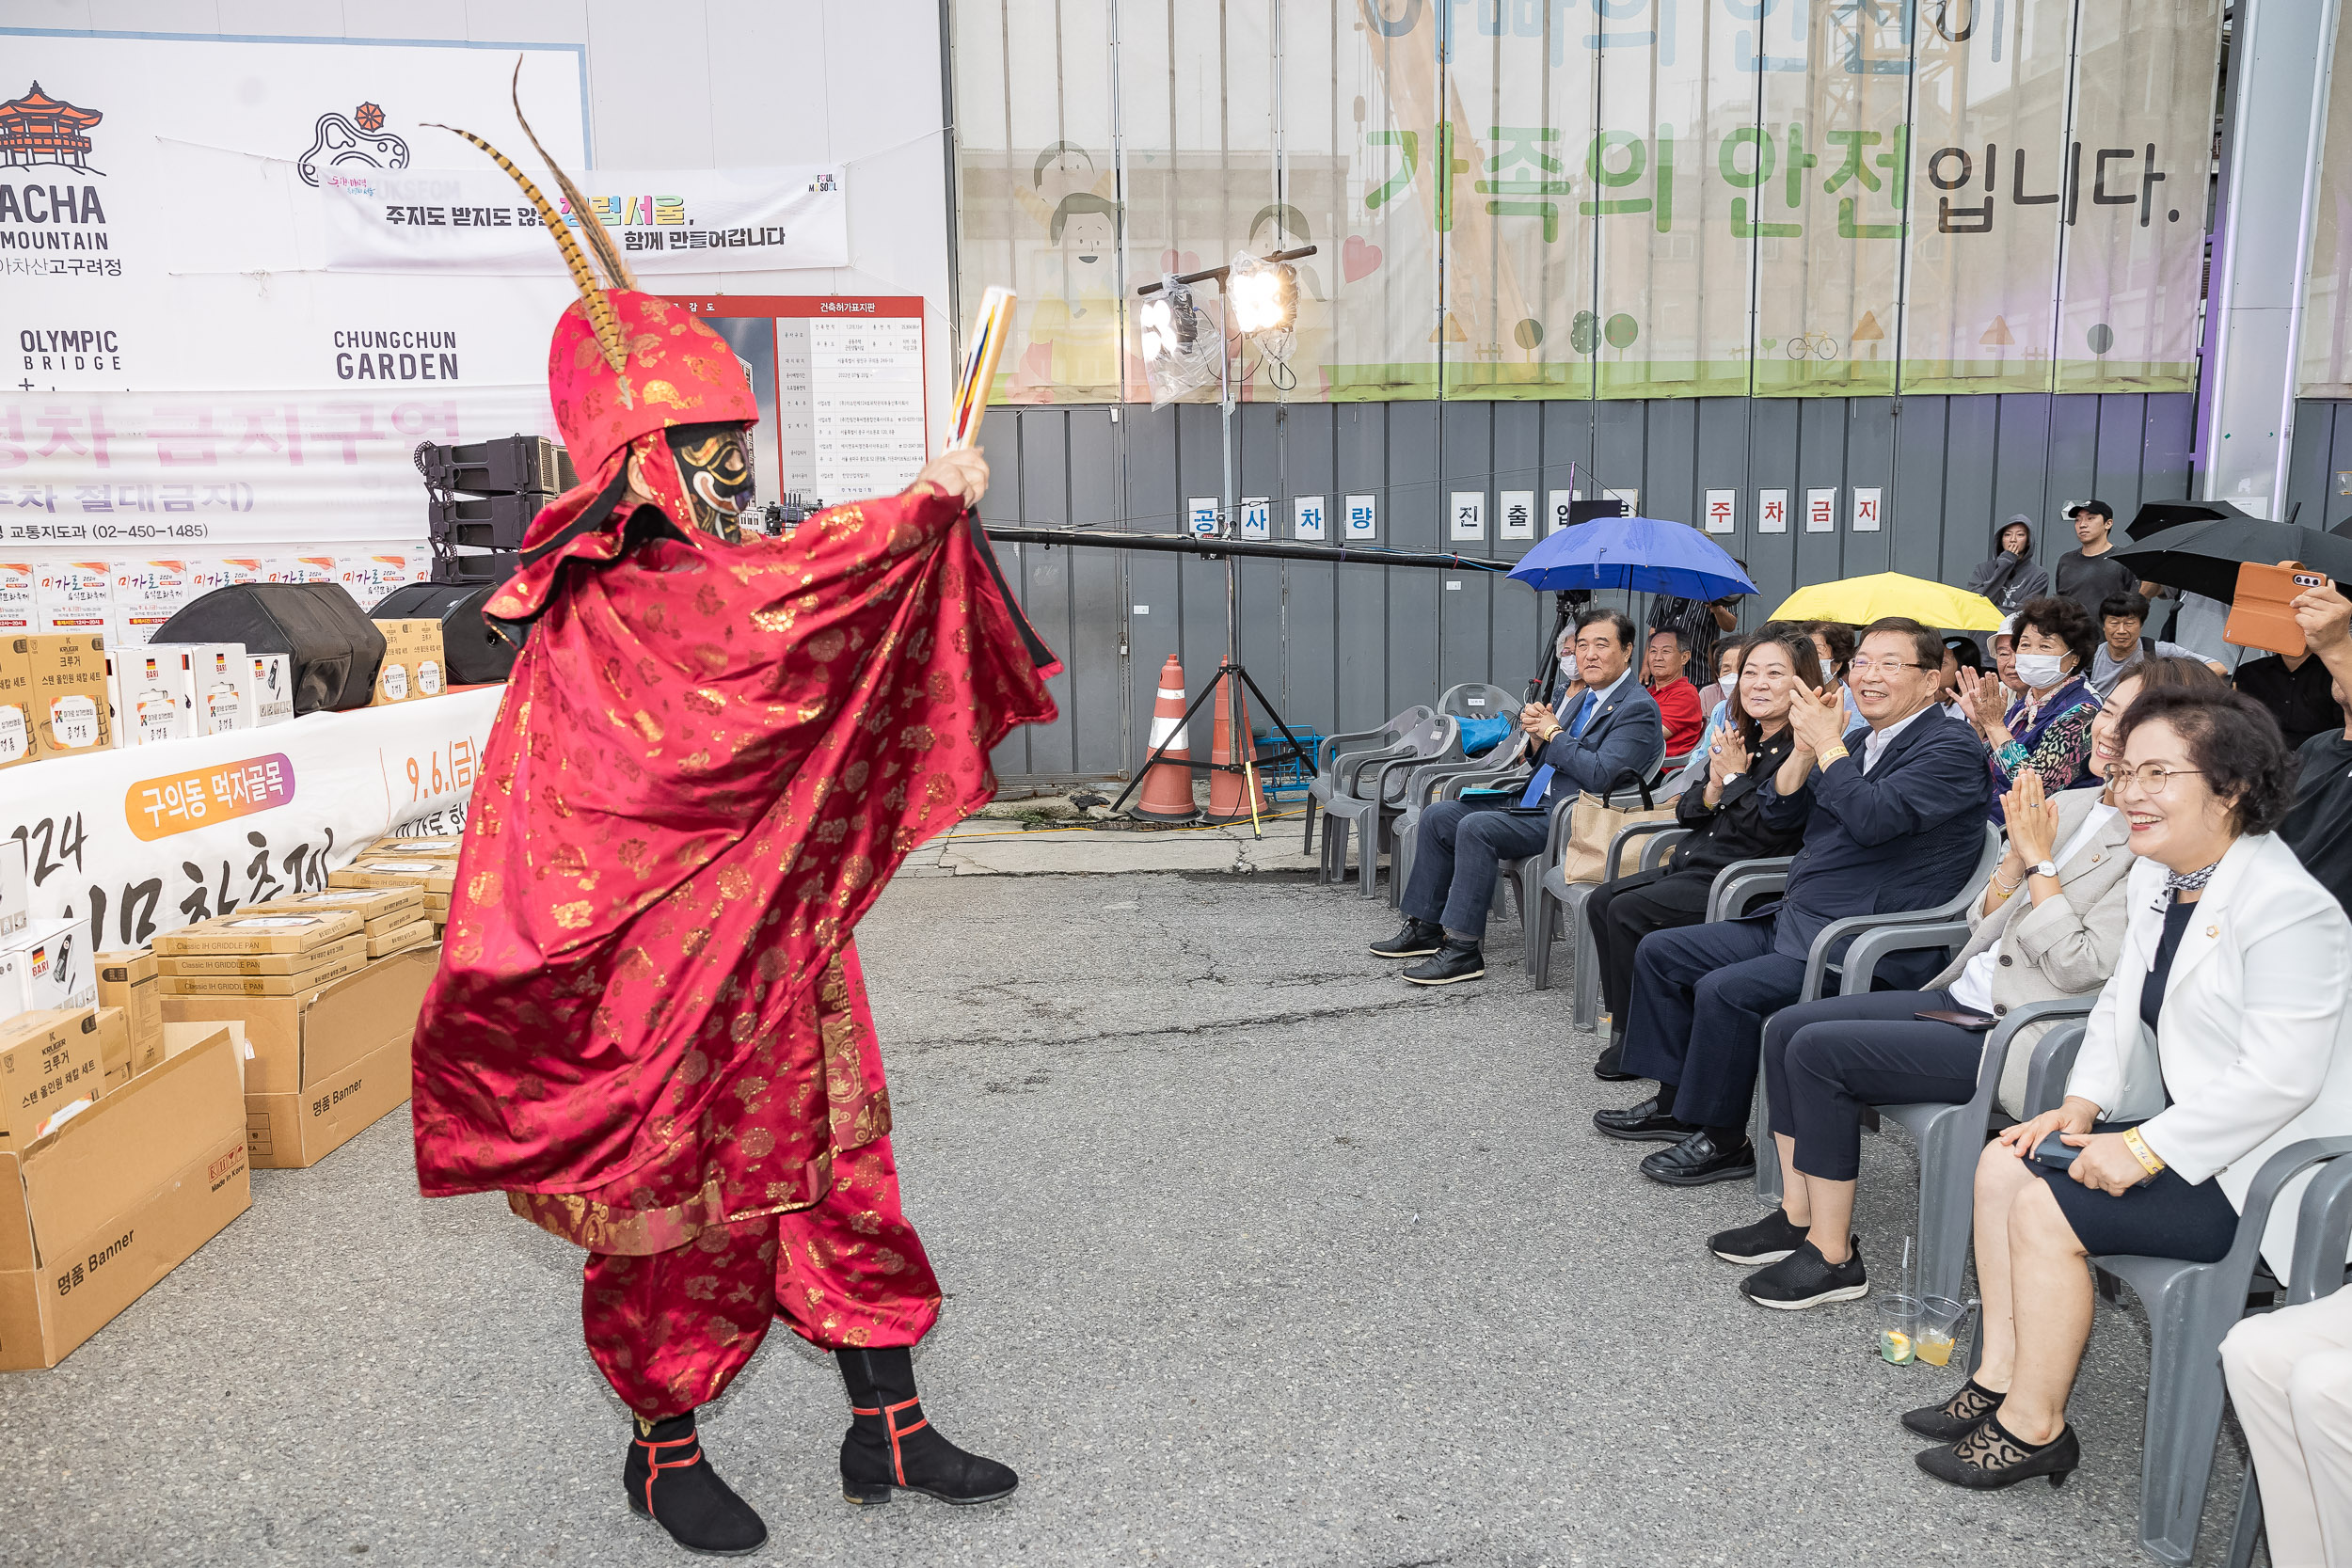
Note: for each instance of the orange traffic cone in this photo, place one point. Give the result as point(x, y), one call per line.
point(1168, 784)
point(1232, 799)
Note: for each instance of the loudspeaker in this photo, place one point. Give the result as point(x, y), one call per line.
point(473, 567)
point(472, 653)
point(332, 648)
point(506, 467)
point(484, 522)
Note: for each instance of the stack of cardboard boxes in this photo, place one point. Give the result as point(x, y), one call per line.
point(426, 865)
point(52, 697)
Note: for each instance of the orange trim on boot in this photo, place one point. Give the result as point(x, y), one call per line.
point(889, 1413)
point(656, 1464)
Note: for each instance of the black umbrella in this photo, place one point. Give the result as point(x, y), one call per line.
point(2203, 557)
point(2155, 517)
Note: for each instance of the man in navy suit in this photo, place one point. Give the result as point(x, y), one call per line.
point(1605, 733)
point(1894, 819)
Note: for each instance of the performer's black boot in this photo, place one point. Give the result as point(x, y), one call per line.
point(891, 1443)
point(670, 1482)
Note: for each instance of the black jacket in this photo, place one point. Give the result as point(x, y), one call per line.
point(1735, 830)
point(2009, 581)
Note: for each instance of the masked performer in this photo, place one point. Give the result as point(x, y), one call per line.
point(648, 1028)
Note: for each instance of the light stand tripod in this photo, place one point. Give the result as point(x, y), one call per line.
point(1231, 675)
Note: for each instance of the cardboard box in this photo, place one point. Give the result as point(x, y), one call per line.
point(268, 690)
point(127, 980)
point(47, 965)
point(18, 742)
point(396, 871)
point(432, 846)
point(116, 1199)
point(48, 1060)
point(210, 683)
point(384, 909)
point(282, 931)
point(412, 662)
point(187, 1036)
point(69, 693)
point(326, 1064)
point(181, 967)
point(114, 1038)
point(149, 688)
point(400, 939)
point(352, 962)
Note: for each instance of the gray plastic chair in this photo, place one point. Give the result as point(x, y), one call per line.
point(1818, 967)
point(2190, 1307)
point(1525, 876)
point(1571, 897)
point(1351, 748)
point(2322, 1234)
point(1359, 793)
point(1421, 791)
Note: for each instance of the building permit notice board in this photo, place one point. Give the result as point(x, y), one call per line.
point(839, 379)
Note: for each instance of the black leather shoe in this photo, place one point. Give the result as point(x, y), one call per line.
point(1643, 1123)
point(1957, 1417)
point(1991, 1457)
point(1610, 1067)
point(669, 1482)
point(890, 1443)
point(1417, 940)
point(1698, 1161)
point(1454, 963)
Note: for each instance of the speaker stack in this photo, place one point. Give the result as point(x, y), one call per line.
point(483, 498)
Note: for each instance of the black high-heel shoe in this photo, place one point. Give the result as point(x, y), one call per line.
point(1957, 1417)
point(1991, 1457)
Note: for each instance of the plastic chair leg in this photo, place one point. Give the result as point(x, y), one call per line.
point(2184, 1399)
point(1368, 836)
point(1584, 1009)
point(2249, 1520)
point(1770, 1185)
point(1540, 912)
point(1947, 1203)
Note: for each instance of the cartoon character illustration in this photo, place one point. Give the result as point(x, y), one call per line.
point(1063, 169)
point(337, 139)
point(1280, 226)
point(1073, 336)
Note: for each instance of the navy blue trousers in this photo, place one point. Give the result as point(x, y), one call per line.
point(1700, 998)
point(1455, 863)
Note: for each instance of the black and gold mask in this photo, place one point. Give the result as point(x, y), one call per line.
point(715, 461)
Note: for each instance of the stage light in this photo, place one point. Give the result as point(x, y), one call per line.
point(1181, 351)
point(1264, 295)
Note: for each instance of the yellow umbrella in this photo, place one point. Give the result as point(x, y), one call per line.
point(1859, 601)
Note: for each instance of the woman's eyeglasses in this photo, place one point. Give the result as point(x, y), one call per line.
point(2154, 778)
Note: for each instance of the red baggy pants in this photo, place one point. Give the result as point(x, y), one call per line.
point(670, 1330)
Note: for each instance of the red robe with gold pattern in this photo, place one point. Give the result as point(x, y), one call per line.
point(648, 1023)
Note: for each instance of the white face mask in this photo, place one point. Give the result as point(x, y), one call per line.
point(2040, 670)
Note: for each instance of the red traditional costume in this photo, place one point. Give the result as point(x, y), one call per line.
point(649, 1028)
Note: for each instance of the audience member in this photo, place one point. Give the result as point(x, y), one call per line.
point(1703, 623)
point(2011, 578)
point(2318, 828)
point(1726, 680)
point(1893, 819)
point(2290, 1376)
point(2005, 657)
point(2089, 572)
point(1610, 736)
point(1677, 700)
point(2219, 1040)
point(2121, 615)
point(2049, 924)
point(2297, 691)
point(2048, 729)
point(1834, 643)
point(1960, 653)
point(1724, 813)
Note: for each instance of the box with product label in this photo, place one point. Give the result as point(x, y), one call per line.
point(48, 1060)
point(47, 964)
point(327, 1063)
point(118, 1197)
point(430, 846)
point(211, 684)
point(402, 938)
point(128, 978)
point(68, 694)
point(75, 597)
point(384, 909)
point(259, 964)
point(17, 733)
point(268, 690)
point(412, 662)
point(20, 598)
point(247, 931)
point(149, 696)
point(388, 870)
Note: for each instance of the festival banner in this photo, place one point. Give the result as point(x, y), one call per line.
point(2325, 368)
point(1604, 197)
point(662, 221)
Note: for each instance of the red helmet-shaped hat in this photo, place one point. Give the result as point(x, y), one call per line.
point(622, 368)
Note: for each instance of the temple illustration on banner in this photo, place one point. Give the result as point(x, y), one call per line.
point(38, 130)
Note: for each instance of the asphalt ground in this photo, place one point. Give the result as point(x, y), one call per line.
point(1255, 1254)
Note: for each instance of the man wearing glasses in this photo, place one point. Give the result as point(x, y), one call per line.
point(1893, 813)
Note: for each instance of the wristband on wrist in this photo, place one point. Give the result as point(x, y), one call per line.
point(2146, 1156)
point(1834, 754)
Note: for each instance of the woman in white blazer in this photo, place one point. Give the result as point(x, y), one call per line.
point(2219, 1040)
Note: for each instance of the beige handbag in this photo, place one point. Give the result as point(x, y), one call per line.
point(1592, 823)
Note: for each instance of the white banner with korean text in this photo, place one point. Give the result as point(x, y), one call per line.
point(693, 220)
point(150, 838)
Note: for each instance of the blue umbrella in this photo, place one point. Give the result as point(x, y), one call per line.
point(1643, 554)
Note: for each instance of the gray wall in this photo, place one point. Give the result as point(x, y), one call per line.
point(1343, 646)
point(2319, 469)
